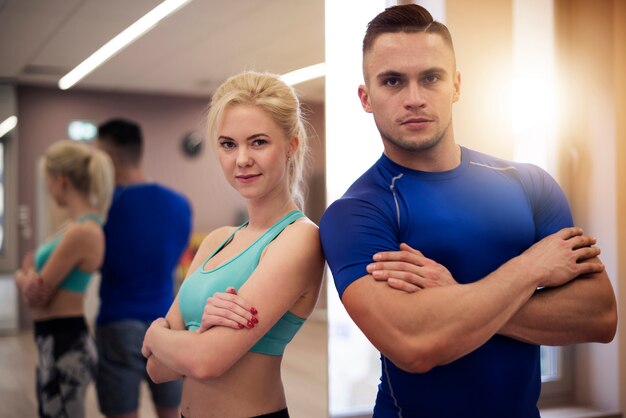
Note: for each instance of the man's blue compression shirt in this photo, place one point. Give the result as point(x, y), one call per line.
point(146, 232)
point(471, 219)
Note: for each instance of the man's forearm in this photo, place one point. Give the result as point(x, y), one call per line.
point(583, 310)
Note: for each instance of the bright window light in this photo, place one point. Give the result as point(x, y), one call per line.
point(124, 38)
point(304, 74)
point(534, 84)
point(7, 125)
point(353, 144)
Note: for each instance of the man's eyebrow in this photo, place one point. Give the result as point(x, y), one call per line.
point(390, 73)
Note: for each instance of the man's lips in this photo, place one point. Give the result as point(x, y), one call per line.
point(416, 123)
point(415, 120)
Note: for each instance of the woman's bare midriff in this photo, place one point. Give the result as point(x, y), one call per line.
point(63, 304)
point(251, 387)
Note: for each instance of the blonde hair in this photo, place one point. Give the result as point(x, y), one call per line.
point(89, 170)
point(278, 100)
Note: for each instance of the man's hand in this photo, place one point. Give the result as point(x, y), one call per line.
point(408, 270)
point(561, 257)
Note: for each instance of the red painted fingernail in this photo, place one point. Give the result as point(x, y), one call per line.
point(253, 311)
point(250, 324)
point(240, 326)
point(233, 291)
point(256, 321)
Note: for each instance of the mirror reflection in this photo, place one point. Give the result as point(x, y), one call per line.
point(163, 81)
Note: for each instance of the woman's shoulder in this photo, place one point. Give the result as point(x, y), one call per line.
point(83, 233)
point(216, 237)
point(302, 235)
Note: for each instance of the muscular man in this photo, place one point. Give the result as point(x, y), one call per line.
point(467, 344)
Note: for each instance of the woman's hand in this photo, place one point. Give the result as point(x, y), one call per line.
point(157, 323)
point(28, 261)
point(228, 310)
point(35, 292)
point(408, 270)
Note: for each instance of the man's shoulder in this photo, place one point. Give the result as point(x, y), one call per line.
point(148, 190)
point(537, 183)
point(523, 169)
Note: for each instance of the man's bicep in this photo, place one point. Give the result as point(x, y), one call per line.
point(352, 231)
point(376, 309)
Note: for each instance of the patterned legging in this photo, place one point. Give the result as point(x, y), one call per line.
point(67, 363)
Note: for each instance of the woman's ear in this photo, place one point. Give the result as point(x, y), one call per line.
point(293, 145)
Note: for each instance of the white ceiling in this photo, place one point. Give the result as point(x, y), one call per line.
point(189, 53)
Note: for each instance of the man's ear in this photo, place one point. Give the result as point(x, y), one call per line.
point(364, 96)
point(457, 87)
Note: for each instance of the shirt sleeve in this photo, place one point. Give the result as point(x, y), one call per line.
point(352, 231)
point(551, 210)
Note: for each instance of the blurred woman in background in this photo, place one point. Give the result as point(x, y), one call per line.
point(53, 282)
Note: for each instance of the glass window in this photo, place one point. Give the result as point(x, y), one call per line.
point(2, 245)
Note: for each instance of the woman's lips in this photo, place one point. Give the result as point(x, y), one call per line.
point(247, 178)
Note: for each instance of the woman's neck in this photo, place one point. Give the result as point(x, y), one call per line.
point(78, 206)
point(264, 214)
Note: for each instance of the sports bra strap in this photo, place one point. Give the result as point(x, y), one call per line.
point(267, 237)
point(278, 227)
point(91, 217)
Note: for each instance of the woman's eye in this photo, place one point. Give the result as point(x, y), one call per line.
point(259, 142)
point(227, 144)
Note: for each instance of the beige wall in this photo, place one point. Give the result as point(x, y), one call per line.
point(591, 71)
point(619, 48)
point(484, 51)
point(589, 145)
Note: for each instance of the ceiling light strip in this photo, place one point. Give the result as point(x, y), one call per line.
point(7, 125)
point(304, 74)
point(124, 38)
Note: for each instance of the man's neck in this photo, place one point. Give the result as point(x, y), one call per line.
point(442, 158)
point(128, 176)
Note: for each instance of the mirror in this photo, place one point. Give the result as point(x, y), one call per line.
point(9, 317)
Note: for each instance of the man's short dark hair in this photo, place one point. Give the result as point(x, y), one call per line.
point(409, 18)
point(125, 136)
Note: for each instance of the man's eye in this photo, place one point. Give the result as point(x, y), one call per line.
point(431, 78)
point(392, 82)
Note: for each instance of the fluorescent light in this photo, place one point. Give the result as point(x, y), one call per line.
point(120, 41)
point(7, 125)
point(304, 74)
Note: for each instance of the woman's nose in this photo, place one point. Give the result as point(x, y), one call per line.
point(243, 157)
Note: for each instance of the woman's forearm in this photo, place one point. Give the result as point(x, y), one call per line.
point(159, 373)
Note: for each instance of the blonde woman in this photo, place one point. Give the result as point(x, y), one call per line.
point(251, 287)
point(53, 283)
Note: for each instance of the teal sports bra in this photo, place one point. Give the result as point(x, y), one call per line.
point(77, 280)
point(202, 284)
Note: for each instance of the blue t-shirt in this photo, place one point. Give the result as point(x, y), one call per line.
point(147, 230)
point(471, 219)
